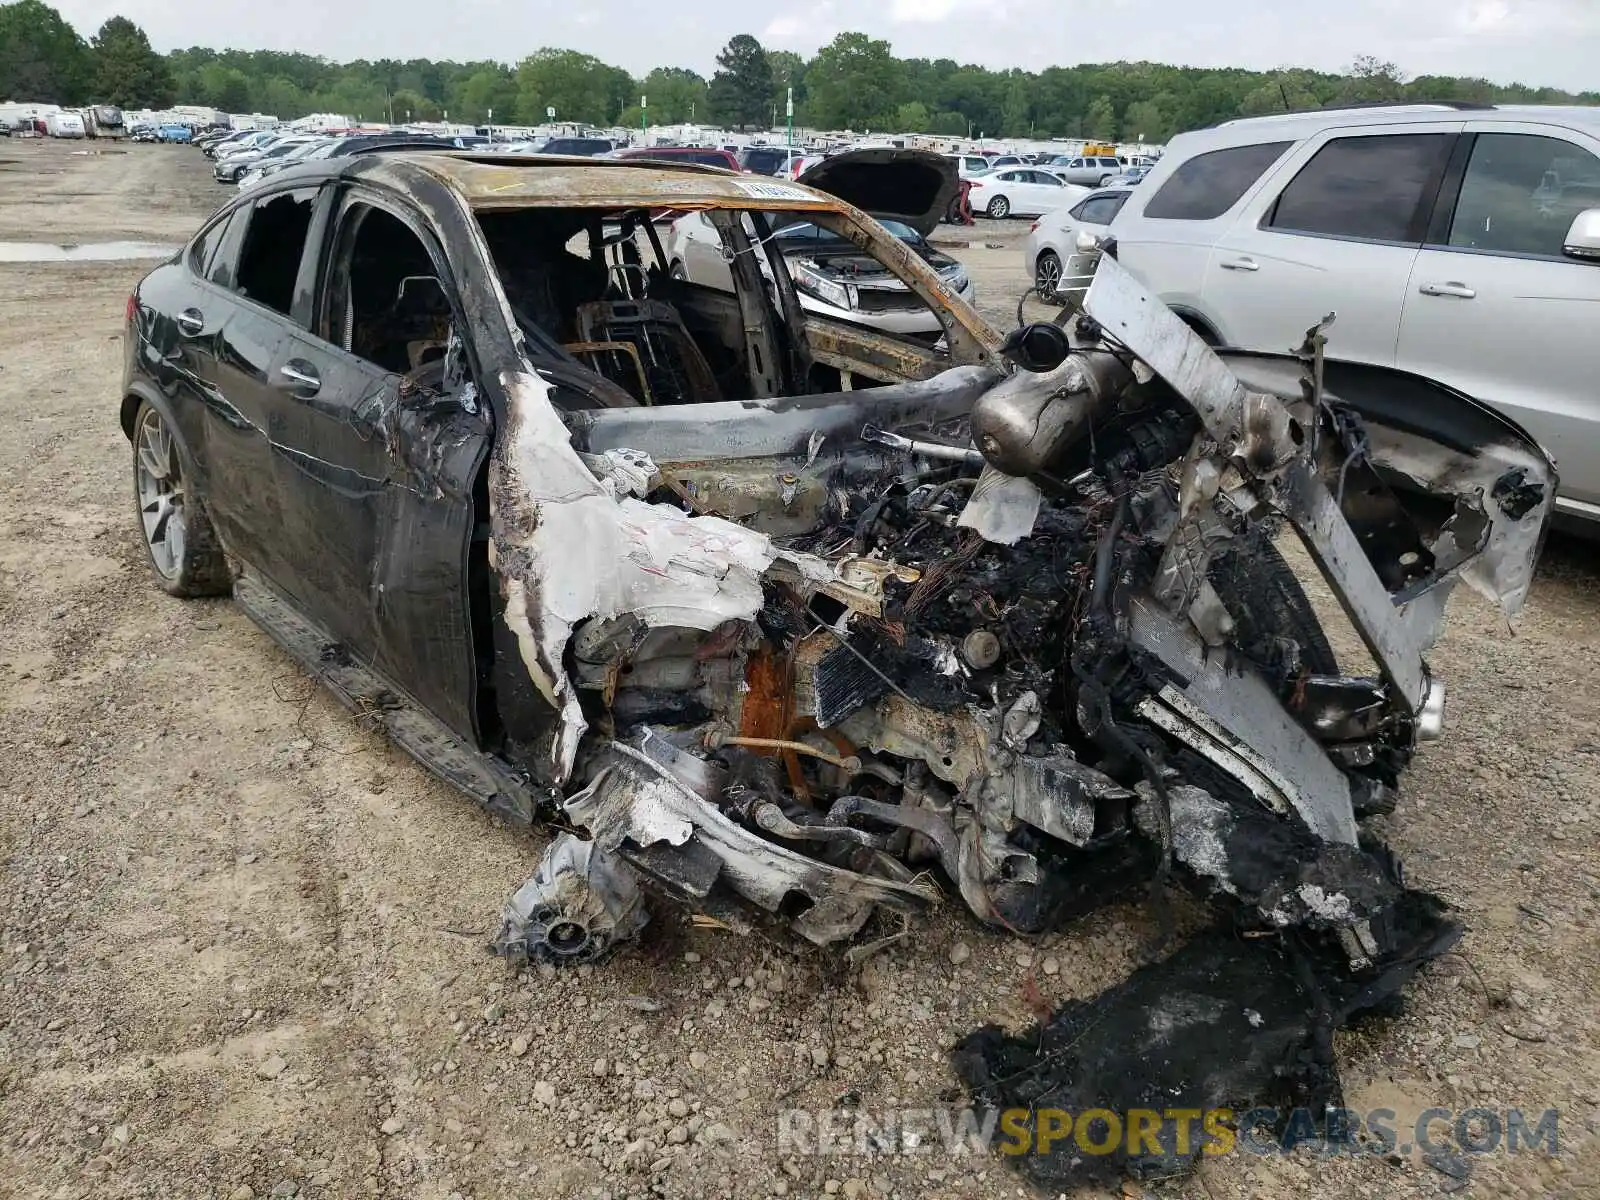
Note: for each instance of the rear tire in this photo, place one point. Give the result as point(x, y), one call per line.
point(1105, 179)
point(999, 208)
point(1047, 275)
point(179, 542)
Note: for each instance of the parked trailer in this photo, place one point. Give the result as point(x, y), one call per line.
point(104, 121)
point(64, 125)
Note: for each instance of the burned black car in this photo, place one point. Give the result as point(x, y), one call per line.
point(778, 609)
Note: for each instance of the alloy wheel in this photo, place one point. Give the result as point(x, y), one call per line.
point(158, 478)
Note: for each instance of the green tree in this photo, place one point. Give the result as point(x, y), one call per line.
point(1142, 120)
point(741, 90)
point(1101, 119)
point(42, 57)
point(490, 87)
point(407, 105)
point(1371, 78)
point(951, 124)
point(578, 86)
point(851, 84)
point(912, 118)
point(676, 95)
point(227, 88)
point(788, 71)
point(127, 71)
point(1016, 113)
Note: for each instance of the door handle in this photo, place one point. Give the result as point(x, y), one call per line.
point(1239, 264)
point(300, 376)
point(1459, 290)
point(191, 321)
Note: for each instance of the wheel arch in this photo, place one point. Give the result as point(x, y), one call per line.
point(1195, 321)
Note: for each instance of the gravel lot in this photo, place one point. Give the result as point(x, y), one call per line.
point(242, 941)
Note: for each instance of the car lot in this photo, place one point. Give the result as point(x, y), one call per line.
point(242, 938)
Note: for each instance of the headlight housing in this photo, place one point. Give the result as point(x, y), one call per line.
point(956, 277)
point(808, 279)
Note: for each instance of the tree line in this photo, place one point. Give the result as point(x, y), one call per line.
point(855, 82)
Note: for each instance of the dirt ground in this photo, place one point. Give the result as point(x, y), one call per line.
point(242, 941)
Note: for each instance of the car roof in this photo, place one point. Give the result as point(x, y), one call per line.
point(570, 181)
point(1296, 125)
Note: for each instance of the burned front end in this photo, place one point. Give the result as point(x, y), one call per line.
point(1030, 638)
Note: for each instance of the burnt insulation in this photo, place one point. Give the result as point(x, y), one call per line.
point(1226, 1022)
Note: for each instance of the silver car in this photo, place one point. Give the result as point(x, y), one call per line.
point(1094, 170)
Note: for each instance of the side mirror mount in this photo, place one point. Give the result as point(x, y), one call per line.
point(1037, 348)
point(1583, 237)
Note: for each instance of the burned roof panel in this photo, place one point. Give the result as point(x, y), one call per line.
point(518, 181)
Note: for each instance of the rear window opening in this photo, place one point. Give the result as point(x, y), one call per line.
point(274, 241)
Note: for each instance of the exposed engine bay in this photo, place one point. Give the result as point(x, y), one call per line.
point(1026, 637)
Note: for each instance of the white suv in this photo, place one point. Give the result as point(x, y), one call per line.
point(1459, 242)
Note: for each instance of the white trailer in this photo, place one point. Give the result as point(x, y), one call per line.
point(64, 125)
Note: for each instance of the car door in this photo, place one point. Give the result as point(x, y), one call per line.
point(1493, 306)
point(1335, 228)
point(396, 439)
point(246, 318)
point(1048, 192)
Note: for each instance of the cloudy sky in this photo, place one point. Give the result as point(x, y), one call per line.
point(1545, 42)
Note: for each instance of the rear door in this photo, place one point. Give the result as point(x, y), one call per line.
point(1495, 308)
point(381, 442)
point(1336, 229)
point(262, 270)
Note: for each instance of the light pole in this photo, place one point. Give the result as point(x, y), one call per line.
point(643, 101)
point(789, 108)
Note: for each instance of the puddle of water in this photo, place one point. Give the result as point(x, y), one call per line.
point(45, 252)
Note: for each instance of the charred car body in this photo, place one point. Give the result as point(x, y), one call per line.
point(782, 608)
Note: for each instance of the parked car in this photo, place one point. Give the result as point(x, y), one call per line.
point(767, 160)
point(832, 275)
point(1424, 227)
point(706, 156)
point(604, 545)
point(270, 164)
point(1130, 177)
point(231, 168)
point(176, 134)
point(1050, 253)
point(1021, 192)
point(997, 161)
point(583, 147)
point(1095, 170)
point(969, 165)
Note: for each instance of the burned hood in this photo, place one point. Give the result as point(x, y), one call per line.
point(912, 186)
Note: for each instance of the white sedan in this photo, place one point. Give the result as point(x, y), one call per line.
point(1051, 253)
point(1021, 192)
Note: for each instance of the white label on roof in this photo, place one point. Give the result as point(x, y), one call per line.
point(762, 190)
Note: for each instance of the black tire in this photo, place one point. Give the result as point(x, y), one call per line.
point(1105, 179)
point(1047, 275)
point(999, 208)
point(1269, 605)
point(180, 544)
